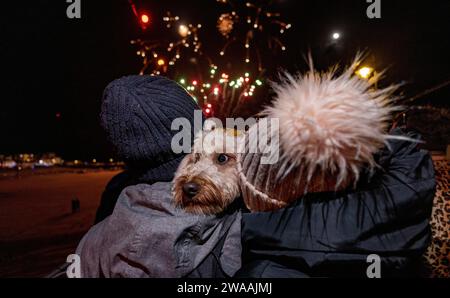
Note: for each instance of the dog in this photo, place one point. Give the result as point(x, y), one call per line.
point(206, 181)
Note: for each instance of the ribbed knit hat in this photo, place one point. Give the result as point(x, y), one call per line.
point(137, 113)
point(329, 128)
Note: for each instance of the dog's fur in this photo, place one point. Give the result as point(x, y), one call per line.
point(217, 181)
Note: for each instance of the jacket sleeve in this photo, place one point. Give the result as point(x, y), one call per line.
point(332, 234)
point(133, 240)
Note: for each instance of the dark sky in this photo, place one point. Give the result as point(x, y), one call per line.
point(51, 64)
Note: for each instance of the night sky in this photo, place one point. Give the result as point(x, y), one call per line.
point(51, 64)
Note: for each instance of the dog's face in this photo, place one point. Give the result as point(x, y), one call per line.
point(206, 181)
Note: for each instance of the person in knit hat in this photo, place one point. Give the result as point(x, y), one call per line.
point(141, 232)
point(343, 192)
point(137, 113)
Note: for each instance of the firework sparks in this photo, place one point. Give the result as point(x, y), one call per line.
point(257, 23)
point(162, 55)
point(225, 23)
point(221, 95)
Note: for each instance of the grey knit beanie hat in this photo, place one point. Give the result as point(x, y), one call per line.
point(137, 113)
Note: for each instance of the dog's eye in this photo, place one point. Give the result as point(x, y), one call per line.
point(222, 158)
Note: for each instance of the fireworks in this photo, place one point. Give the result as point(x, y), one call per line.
point(188, 36)
point(220, 96)
point(226, 22)
point(259, 27)
point(250, 25)
point(161, 55)
point(149, 52)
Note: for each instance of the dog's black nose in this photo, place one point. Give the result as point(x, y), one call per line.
point(191, 189)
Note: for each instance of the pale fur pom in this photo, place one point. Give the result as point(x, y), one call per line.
point(330, 123)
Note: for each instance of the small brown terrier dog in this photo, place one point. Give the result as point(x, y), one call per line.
point(206, 181)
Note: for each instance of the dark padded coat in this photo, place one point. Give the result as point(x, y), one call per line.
point(331, 234)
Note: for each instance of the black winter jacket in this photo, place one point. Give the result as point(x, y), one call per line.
point(332, 234)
